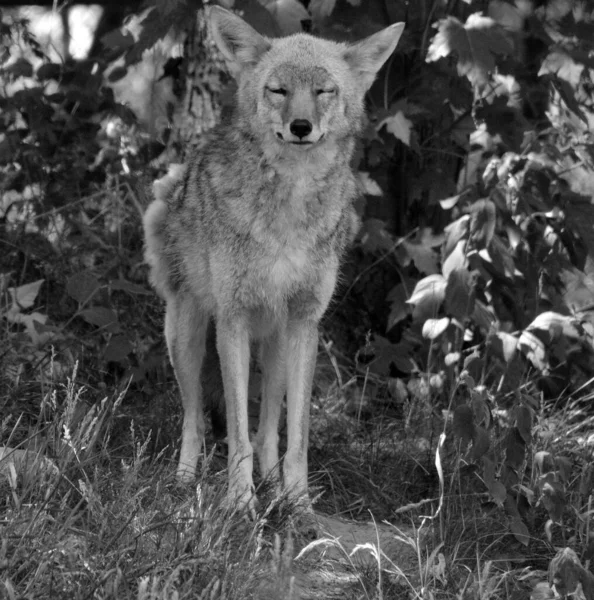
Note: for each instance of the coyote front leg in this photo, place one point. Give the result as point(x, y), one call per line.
point(274, 382)
point(302, 346)
point(185, 332)
point(233, 346)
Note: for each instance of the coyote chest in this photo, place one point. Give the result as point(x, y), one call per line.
point(293, 220)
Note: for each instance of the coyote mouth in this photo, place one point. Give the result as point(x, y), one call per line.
point(299, 142)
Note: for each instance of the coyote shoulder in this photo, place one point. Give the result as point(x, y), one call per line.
point(250, 233)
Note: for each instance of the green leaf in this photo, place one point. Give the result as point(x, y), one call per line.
point(543, 460)
point(454, 232)
point(49, 71)
point(374, 236)
point(463, 427)
point(448, 203)
point(82, 285)
point(398, 125)
point(520, 531)
point(482, 222)
point(117, 349)
point(20, 68)
point(495, 488)
point(321, 9)
point(483, 315)
point(433, 328)
point(534, 350)
point(480, 444)
point(515, 448)
point(556, 325)
point(524, 423)
point(428, 296)
point(480, 407)
point(117, 40)
point(460, 294)
point(369, 185)
point(474, 366)
point(24, 296)
point(476, 43)
point(124, 285)
point(505, 345)
point(117, 74)
point(553, 496)
point(288, 14)
point(399, 310)
point(424, 257)
point(99, 316)
point(456, 259)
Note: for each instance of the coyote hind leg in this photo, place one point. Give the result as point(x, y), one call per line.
point(185, 332)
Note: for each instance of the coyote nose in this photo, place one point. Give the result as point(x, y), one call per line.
point(301, 128)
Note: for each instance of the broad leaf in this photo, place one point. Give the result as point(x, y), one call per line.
point(124, 285)
point(460, 294)
point(24, 296)
point(428, 296)
point(320, 9)
point(520, 531)
point(433, 328)
point(524, 423)
point(448, 203)
point(555, 324)
point(496, 489)
point(82, 285)
point(288, 14)
point(19, 68)
point(398, 307)
point(483, 315)
point(374, 236)
point(505, 345)
point(515, 449)
point(99, 316)
point(398, 125)
point(482, 222)
point(480, 444)
point(553, 496)
point(369, 185)
point(424, 257)
point(118, 349)
point(456, 259)
point(463, 426)
point(476, 43)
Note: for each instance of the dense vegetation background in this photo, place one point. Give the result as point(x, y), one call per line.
point(455, 373)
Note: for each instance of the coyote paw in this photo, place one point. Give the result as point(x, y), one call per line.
point(243, 500)
point(185, 474)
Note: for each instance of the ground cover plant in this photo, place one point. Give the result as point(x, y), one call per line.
point(451, 443)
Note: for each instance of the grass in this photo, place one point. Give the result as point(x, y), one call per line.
point(89, 515)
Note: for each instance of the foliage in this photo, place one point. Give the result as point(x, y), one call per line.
point(477, 164)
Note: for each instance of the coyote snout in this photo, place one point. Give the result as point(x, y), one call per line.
point(250, 232)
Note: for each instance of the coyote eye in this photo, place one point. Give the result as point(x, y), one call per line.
point(328, 91)
point(280, 91)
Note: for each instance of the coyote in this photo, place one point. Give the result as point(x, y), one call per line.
point(250, 233)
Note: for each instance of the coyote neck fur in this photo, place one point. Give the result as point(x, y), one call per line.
point(287, 192)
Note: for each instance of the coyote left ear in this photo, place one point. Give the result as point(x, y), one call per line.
point(367, 56)
point(239, 43)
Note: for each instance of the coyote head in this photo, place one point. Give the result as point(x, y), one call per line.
point(300, 92)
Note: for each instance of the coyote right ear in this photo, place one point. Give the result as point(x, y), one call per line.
point(239, 43)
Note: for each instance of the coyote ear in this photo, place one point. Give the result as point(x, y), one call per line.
point(367, 56)
point(238, 42)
